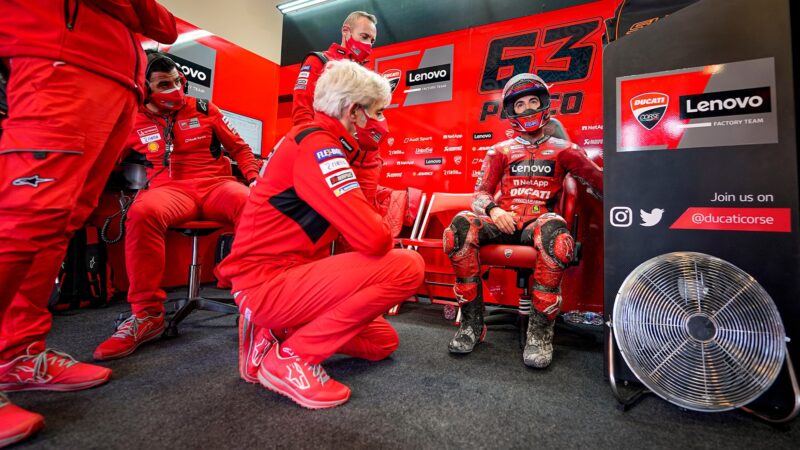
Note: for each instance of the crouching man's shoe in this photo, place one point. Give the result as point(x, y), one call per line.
point(17, 424)
point(538, 351)
point(254, 343)
point(132, 333)
point(50, 371)
point(307, 385)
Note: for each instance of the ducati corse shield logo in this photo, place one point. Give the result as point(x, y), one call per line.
point(649, 108)
point(393, 76)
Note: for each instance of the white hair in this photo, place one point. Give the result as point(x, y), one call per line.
point(345, 83)
point(353, 16)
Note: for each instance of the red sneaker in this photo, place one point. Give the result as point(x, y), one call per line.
point(132, 333)
point(254, 343)
point(307, 385)
point(16, 423)
point(50, 371)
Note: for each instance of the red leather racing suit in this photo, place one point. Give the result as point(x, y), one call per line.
point(197, 183)
point(529, 177)
point(279, 266)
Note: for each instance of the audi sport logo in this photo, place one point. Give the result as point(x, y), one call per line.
point(393, 76)
point(649, 108)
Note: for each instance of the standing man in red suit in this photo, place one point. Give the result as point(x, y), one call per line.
point(182, 139)
point(528, 171)
point(75, 76)
point(358, 34)
point(280, 268)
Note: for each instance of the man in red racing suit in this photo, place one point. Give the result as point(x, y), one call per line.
point(189, 179)
point(280, 268)
point(75, 71)
point(528, 171)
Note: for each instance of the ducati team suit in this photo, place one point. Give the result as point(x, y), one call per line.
point(280, 268)
point(310, 71)
point(400, 203)
point(76, 76)
point(196, 183)
point(529, 176)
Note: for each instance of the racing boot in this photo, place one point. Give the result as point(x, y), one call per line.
point(472, 329)
point(538, 351)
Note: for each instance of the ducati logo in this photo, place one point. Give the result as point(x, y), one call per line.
point(390, 141)
point(508, 252)
point(649, 108)
point(509, 133)
point(33, 181)
point(393, 76)
point(457, 159)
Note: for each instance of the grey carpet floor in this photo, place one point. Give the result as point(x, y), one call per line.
point(186, 393)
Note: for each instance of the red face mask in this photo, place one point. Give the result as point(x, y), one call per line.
point(360, 50)
point(371, 135)
point(170, 100)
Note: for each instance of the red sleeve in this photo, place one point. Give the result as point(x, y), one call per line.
point(233, 143)
point(486, 185)
point(147, 17)
point(324, 180)
point(583, 169)
point(303, 91)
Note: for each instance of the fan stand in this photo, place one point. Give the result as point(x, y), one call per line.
point(628, 401)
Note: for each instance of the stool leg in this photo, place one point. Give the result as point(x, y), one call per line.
point(194, 292)
point(194, 270)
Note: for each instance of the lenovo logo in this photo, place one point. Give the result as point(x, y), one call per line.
point(532, 167)
point(726, 103)
point(427, 75)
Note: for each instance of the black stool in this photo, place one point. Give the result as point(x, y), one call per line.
point(184, 306)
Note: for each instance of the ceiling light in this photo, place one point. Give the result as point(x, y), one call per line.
point(298, 4)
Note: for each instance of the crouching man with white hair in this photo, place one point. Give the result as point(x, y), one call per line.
point(282, 275)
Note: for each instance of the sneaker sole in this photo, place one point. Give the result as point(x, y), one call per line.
point(13, 387)
point(276, 385)
point(32, 429)
point(154, 336)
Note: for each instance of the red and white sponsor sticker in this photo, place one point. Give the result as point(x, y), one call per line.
point(776, 220)
point(149, 134)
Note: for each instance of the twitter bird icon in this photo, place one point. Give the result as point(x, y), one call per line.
point(651, 218)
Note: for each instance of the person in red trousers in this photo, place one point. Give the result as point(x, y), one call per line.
point(75, 76)
point(282, 275)
point(181, 138)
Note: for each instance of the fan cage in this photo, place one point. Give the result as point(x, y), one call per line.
point(698, 331)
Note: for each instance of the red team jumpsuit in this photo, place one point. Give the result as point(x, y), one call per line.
point(310, 71)
point(76, 76)
point(279, 267)
point(529, 176)
point(196, 184)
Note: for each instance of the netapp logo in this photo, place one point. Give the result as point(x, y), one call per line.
point(194, 72)
point(532, 167)
point(433, 74)
point(433, 161)
point(482, 136)
point(405, 163)
point(726, 103)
